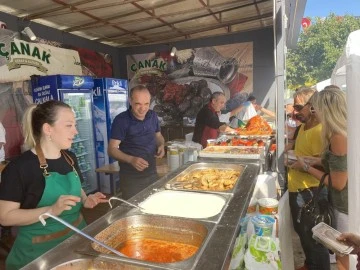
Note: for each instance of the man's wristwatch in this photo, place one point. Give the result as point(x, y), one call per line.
point(306, 167)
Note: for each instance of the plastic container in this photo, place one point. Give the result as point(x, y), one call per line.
point(263, 225)
point(252, 208)
point(211, 142)
point(244, 224)
point(174, 158)
point(268, 206)
point(181, 154)
point(189, 136)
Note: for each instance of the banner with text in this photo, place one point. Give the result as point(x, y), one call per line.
point(20, 59)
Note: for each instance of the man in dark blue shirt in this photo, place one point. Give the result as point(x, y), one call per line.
point(136, 142)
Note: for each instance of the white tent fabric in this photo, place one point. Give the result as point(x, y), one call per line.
point(321, 85)
point(338, 76)
point(348, 67)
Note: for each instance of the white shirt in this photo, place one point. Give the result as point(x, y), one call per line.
point(2, 140)
point(224, 117)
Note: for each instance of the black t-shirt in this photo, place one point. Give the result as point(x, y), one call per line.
point(205, 117)
point(22, 180)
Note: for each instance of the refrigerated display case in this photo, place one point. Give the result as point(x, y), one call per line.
point(110, 98)
point(77, 92)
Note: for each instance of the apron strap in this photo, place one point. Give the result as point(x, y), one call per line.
point(69, 160)
point(43, 163)
point(42, 160)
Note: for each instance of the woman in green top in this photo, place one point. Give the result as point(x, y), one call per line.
point(44, 179)
point(331, 109)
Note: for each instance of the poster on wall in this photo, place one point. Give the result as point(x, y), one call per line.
point(96, 64)
point(20, 59)
point(182, 84)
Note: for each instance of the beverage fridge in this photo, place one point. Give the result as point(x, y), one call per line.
point(77, 92)
point(110, 98)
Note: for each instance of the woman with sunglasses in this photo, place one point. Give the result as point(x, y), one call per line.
point(330, 106)
point(302, 185)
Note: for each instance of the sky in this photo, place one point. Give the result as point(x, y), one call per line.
point(322, 8)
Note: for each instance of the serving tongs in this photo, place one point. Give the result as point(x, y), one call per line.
point(125, 201)
point(41, 218)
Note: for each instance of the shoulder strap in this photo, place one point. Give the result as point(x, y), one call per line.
point(43, 163)
point(321, 186)
point(329, 189)
point(42, 160)
point(68, 158)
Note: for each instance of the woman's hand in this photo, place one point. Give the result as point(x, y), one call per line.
point(64, 202)
point(94, 199)
point(299, 164)
point(351, 239)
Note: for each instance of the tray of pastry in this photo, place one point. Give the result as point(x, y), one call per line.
point(204, 177)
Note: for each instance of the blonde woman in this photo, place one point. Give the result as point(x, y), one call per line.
point(45, 178)
point(331, 109)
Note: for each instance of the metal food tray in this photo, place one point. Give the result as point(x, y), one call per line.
point(226, 196)
point(173, 184)
point(260, 137)
point(209, 154)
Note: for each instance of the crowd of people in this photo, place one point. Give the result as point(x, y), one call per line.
point(212, 119)
point(322, 136)
point(47, 177)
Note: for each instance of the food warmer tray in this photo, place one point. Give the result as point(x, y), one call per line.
point(232, 152)
point(173, 184)
point(250, 137)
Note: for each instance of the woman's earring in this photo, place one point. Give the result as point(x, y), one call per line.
point(50, 138)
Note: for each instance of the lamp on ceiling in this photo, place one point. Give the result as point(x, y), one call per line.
point(173, 51)
point(27, 31)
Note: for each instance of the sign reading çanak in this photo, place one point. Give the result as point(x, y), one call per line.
point(20, 59)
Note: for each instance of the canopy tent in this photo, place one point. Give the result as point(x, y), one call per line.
point(347, 72)
point(338, 76)
point(321, 85)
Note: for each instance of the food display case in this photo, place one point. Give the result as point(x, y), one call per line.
point(211, 237)
point(110, 99)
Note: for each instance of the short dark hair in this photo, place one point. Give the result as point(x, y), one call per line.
point(215, 95)
point(251, 98)
point(139, 88)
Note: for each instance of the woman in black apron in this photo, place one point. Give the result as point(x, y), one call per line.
point(44, 179)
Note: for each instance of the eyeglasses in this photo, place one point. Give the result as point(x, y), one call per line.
point(298, 107)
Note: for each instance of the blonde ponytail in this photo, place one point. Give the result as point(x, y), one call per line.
point(27, 127)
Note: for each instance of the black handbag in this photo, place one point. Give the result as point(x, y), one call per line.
point(318, 210)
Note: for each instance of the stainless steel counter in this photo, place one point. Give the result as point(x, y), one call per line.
point(214, 254)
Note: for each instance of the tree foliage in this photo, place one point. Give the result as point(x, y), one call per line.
point(319, 47)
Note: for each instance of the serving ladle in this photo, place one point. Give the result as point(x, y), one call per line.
point(41, 218)
point(125, 201)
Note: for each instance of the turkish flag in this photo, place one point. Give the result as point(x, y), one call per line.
point(305, 22)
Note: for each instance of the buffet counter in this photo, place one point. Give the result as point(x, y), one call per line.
point(214, 252)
